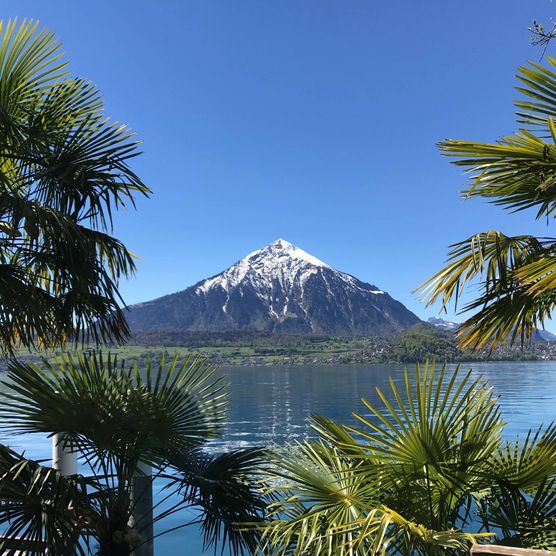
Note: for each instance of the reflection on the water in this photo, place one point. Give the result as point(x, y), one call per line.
point(272, 404)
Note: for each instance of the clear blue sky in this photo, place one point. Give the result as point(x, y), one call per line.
point(311, 120)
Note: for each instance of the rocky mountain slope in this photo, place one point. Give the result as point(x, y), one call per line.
point(278, 289)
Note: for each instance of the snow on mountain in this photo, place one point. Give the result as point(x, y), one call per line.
point(279, 288)
point(278, 264)
point(280, 261)
point(444, 324)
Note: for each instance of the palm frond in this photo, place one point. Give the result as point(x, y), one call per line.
point(64, 170)
point(516, 315)
point(403, 480)
point(492, 256)
point(529, 462)
point(30, 61)
point(524, 519)
point(516, 274)
point(104, 407)
point(117, 417)
point(517, 173)
point(39, 505)
point(228, 491)
point(323, 506)
point(436, 437)
point(412, 536)
point(539, 88)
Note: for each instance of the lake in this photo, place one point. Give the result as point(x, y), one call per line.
point(271, 405)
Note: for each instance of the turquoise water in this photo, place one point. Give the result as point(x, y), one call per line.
point(271, 405)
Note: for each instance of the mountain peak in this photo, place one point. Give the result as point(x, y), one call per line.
point(282, 243)
point(444, 324)
point(279, 288)
point(281, 250)
point(278, 261)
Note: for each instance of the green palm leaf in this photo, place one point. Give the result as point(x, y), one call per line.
point(524, 519)
point(39, 505)
point(528, 463)
point(30, 61)
point(64, 170)
point(540, 88)
point(401, 481)
point(119, 417)
point(321, 504)
point(515, 275)
point(436, 436)
point(103, 407)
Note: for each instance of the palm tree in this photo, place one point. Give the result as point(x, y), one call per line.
point(422, 474)
point(516, 274)
point(119, 418)
point(63, 172)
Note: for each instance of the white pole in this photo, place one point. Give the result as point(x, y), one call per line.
point(142, 515)
point(63, 458)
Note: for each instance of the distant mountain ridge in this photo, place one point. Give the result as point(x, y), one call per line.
point(279, 289)
point(544, 336)
point(449, 326)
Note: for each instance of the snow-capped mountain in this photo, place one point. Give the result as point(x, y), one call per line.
point(279, 288)
point(447, 325)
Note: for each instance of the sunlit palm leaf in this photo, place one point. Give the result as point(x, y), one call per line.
point(436, 436)
point(516, 315)
point(516, 275)
point(517, 173)
point(539, 85)
point(411, 536)
point(492, 256)
point(30, 61)
point(104, 407)
point(420, 454)
point(63, 171)
point(323, 505)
